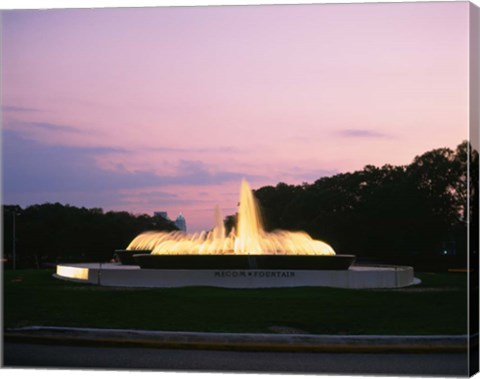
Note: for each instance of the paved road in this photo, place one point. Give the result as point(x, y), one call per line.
point(37, 355)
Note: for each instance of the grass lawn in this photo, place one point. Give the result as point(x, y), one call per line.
point(437, 306)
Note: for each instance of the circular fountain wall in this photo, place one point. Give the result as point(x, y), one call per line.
point(117, 275)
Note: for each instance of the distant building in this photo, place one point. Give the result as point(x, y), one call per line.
point(161, 214)
point(181, 223)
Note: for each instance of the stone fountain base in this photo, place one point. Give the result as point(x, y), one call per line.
point(112, 274)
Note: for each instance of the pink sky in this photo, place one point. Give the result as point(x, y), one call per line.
point(155, 109)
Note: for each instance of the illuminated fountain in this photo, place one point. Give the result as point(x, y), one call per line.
point(246, 246)
point(248, 257)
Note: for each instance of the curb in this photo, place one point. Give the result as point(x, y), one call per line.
point(239, 341)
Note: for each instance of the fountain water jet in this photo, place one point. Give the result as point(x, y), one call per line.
point(248, 238)
point(246, 246)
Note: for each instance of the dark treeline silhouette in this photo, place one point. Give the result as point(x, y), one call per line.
point(415, 213)
point(51, 233)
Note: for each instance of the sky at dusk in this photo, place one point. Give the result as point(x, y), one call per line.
point(167, 109)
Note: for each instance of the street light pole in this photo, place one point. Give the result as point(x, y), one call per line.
point(13, 244)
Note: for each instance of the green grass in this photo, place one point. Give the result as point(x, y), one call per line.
point(437, 306)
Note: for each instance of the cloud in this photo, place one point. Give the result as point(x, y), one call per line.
point(52, 127)
point(361, 133)
point(197, 173)
point(32, 167)
point(143, 197)
point(175, 149)
point(153, 196)
point(27, 127)
point(42, 131)
point(308, 175)
point(12, 108)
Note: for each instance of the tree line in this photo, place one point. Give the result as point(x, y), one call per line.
point(55, 232)
point(417, 210)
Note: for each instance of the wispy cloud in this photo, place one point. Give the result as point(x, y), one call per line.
point(191, 172)
point(13, 108)
point(296, 174)
point(148, 198)
point(174, 149)
point(361, 133)
point(159, 195)
point(52, 127)
point(30, 166)
point(28, 128)
point(99, 150)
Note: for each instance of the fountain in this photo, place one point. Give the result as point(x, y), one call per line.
point(248, 246)
point(247, 257)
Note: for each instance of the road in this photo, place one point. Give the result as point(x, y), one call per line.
point(43, 356)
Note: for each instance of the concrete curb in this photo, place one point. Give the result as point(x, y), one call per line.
point(238, 341)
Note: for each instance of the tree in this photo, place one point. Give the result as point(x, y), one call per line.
point(56, 232)
point(414, 210)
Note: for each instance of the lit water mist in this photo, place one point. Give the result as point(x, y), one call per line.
point(247, 238)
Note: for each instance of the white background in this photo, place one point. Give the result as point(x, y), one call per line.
point(80, 374)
